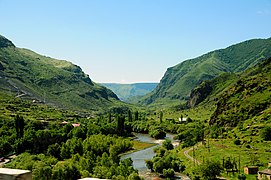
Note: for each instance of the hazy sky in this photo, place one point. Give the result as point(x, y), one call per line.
point(131, 40)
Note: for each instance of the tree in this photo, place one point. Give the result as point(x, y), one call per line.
point(242, 177)
point(167, 144)
point(210, 169)
point(54, 150)
point(134, 176)
point(120, 124)
point(130, 117)
point(109, 118)
point(41, 171)
point(168, 172)
point(5, 147)
point(149, 164)
point(65, 170)
point(19, 125)
point(161, 116)
point(136, 115)
point(266, 133)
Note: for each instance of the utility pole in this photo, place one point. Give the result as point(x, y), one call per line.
point(208, 145)
point(44, 97)
point(194, 156)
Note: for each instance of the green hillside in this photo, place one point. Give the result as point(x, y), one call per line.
point(127, 91)
point(179, 80)
point(29, 75)
point(246, 100)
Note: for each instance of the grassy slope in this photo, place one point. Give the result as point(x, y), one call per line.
point(58, 82)
point(247, 99)
point(179, 80)
point(219, 149)
point(10, 106)
point(249, 91)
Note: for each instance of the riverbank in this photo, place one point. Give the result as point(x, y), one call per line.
point(138, 146)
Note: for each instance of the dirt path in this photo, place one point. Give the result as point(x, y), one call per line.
point(186, 153)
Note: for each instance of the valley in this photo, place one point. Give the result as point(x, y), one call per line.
point(62, 125)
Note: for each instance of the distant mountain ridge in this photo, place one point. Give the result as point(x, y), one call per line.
point(178, 81)
point(58, 82)
point(127, 91)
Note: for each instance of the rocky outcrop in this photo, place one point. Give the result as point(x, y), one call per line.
point(199, 94)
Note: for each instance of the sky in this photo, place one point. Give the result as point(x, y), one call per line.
point(128, 41)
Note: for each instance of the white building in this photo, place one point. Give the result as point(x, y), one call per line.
point(15, 174)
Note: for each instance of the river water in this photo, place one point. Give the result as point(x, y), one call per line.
point(139, 157)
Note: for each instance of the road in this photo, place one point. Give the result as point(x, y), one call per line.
point(186, 153)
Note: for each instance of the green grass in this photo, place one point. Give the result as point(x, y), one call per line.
point(219, 149)
point(59, 82)
point(138, 145)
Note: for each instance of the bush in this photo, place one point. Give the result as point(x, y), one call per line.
point(157, 133)
point(210, 169)
point(237, 142)
point(242, 177)
point(168, 172)
point(266, 133)
point(167, 144)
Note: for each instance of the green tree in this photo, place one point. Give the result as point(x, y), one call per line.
point(136, 115)
point(210, 169)
point(65, 170)
point(109, 117)
point(134, 176)
point(242, 177)
point(168, 172)
point(5, 147)
point(130, 117)
point(266, 133)
point(161, 116)
point(54, 150)
point(149, 164)
point(167, 144)
point(41, 171)
point(19, 125)
point(120, 124)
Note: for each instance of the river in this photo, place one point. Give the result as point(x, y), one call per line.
point(139, 157)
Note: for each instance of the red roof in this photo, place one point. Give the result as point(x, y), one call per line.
point(76, 125)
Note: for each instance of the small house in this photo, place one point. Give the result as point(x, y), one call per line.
point(251, 170)
point(264, 174)
point(182, 120)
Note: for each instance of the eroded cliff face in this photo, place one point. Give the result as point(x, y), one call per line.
point(199, 94)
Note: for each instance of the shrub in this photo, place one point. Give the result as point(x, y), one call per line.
point(266, 133)
point(168, 172)
point(237, 142)
point(242, 177)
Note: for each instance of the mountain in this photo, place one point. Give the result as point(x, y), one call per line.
point(127, 91)
point(246, 99)
point(178, 81)
point(209, 91)
point(29, 75)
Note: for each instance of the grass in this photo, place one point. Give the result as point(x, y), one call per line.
point(219, 149)
point(138, 145)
